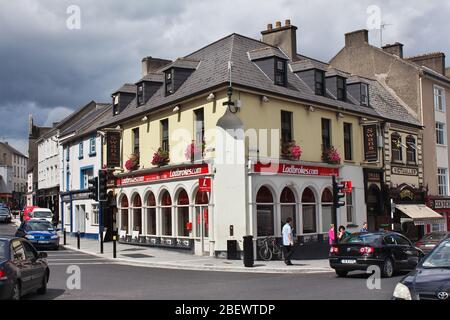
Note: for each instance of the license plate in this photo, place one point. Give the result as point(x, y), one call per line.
point(43, 242)
point(348, 261)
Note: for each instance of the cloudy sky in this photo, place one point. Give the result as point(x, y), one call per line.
point(48, 69)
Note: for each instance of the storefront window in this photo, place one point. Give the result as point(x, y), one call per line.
point(151, 214)
point(264, 212)
point(137, 213)
point(309, 211)
point(183, 214)
point(166, 213)
point(124, 213)
point(288, 206)
point(327, 202)
point(201, 214)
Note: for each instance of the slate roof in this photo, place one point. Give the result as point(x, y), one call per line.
point(153, 77)
point(266, 52)
point(12, 149)
point(184, 63)
point(212, 73)
point(307, 64)
point(126, 88)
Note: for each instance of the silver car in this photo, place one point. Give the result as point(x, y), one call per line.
point(5, 215)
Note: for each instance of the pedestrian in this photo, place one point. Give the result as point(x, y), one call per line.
point(331, 234)
point(364, 228)
point(288, 241)
point(342, 233)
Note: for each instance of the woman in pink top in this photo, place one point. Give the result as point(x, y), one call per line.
point(331, 234)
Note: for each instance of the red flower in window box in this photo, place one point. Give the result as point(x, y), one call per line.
point(132, 163)
point(160, 158)
point(331, 156)
point(291, 151)
point(194, 151)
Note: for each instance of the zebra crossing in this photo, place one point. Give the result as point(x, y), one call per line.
point(65, 257)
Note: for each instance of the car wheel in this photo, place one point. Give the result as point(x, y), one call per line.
point(387, 268)
point(43, 289)
point(341, 273)
point(17, 291)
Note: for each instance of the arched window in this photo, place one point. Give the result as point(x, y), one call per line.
point(201, 214)
point(327, 202)
point(288, 206)
point(264, 212)
point(166, 213)
point(183, 213)
point(124, 214)
point(151, 214)
point(137, 213)
point(396, 147)
point(309, 211)
point(410, 149)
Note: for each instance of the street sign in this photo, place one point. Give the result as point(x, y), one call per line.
point(347, 186)
point(204, 184)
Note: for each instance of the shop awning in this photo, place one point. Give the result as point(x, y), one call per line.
point(420, 213)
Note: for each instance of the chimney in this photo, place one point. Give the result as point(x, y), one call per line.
point(356, 38)
point(434, 61)
point(395, 49)
point(447, 72)
point(150, 64)
point(284, 37)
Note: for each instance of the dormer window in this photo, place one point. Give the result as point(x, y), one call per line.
point(364, 94)
point(280, 72)
point(116, 105)
point(341, 89)
point(169, 82)
point(140, 94)
point(319, 82)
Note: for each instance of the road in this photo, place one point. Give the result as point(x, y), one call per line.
point(104, 279)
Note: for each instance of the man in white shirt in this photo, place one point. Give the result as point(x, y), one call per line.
point(288, 241)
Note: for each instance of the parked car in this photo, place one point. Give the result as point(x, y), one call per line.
point(430, 280)
point(5, 215)
point(26, 213)
point(430, 240)
point(41, 214)
point(390, 251)
point(22, 269)
point(40, 233)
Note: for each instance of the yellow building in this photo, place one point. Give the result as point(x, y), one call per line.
point(238, 136)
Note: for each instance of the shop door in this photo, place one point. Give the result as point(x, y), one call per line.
point(202, 227)
point(81, 218)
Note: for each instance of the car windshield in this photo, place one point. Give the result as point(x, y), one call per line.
point(39, 226)
point(434, 236)
point(439, 258)
point(362, 238)
point(3, 211)
point(3, 246)
point(42, 214)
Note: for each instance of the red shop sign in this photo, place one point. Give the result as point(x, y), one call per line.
point(204, 184)
point(295, 169)
point(164, 175)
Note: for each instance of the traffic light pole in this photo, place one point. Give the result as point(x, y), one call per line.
point(100, 225)
point(334, 210)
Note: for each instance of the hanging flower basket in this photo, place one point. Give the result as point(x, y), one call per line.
point(132, 163)
point(160, 158)
point(194, 151)
point(331, 156)
point(291, 151)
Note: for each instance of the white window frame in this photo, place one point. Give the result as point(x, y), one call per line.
point(94, 213)
point(442, 129)
point(442, 184)
point(436, 90)
point(92, 147)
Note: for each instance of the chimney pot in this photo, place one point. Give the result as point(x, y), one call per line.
point(287, 22)
point(278, 24)
point(269, 27)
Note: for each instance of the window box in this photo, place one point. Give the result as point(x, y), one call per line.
point(291, 151)
point(331, 155)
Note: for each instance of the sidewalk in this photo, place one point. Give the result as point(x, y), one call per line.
point(172, 259)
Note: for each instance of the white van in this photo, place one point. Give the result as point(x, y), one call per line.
point(42, 214)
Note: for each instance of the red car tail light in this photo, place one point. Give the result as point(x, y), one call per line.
point(334, 250)
point(366, 250)
point(2, 274)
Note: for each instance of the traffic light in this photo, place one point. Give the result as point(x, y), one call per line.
point(102, 188)
point(93, 188)
point(338, 194)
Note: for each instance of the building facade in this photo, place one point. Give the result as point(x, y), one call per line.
point(236, 137)
point(421, 84)
point(17, 185)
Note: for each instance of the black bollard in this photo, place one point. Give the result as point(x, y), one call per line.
point(65, 236)
point(114, 246)
point(78, 240)
point(248, 251)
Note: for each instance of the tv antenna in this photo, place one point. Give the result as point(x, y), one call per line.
point(383, 26)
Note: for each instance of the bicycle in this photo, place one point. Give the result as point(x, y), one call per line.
point(268, 248)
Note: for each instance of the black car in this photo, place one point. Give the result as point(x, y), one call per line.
point(430, 240)
point(431, 278)
point(390, 251)
point(22, 269)
point(5, 215)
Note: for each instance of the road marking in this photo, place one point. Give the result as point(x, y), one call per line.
point(78, 263)
point(78, 259)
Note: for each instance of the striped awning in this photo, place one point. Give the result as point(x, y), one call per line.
point(421, 214)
